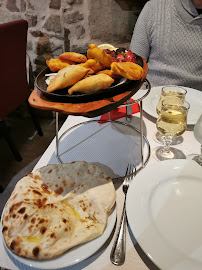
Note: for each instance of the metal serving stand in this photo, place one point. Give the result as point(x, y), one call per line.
point(128, 104)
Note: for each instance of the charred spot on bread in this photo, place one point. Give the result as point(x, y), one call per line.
point(14, 207)
point(14, 244)
point(37, 192)
point(43, 230)
point(40, 202)
point(64, 183)
point(41, 220)
point(22, 210)
point(45, 188)
point(33, 220)
point(25, 216)
point(4, 229)
point(36, 251)
point(53, 235)
point(59, 190)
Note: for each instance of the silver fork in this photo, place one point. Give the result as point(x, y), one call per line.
point(118, 251)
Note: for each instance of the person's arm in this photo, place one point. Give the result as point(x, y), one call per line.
point(141, 39)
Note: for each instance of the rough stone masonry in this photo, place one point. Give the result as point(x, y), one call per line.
point(56, 26)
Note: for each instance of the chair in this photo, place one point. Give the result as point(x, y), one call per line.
point(14, 88)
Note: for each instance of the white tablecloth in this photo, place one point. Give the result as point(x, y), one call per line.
point(135, 257)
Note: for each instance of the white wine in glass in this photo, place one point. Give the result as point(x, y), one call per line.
point(172, 122)
point(171, 92)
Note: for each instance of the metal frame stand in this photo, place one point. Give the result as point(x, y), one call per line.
point(128, 118)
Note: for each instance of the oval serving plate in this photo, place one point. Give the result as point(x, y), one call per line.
point(118, 87)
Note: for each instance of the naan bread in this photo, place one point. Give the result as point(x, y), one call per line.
point(56, 208)
point(68, 76)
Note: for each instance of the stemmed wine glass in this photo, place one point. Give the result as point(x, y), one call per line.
point(170, 92)
point(198, 137)
point(172, 122)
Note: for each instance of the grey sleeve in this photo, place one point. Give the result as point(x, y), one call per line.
point(140, 42)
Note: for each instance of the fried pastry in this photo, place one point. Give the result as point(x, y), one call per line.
point(57, 64)
point(72, 56)
point(68, 76)
point(128, 70)
point(96, 53)
point(93, 64)
point(92, 84)
point(105, 71)
point(109, 73)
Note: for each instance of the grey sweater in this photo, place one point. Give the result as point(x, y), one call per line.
point(168, 34)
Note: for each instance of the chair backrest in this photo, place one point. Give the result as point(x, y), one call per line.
point(14, 88)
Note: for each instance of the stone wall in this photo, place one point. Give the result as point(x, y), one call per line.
point(56, 26)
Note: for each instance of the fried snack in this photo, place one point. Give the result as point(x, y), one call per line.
point(57, 64)
point(96, 53)
point(128, 70)
point(68, 76)
point(93, 64)
point(92, 84)
point(105, 71)
point(109, 73)
point(72, 56)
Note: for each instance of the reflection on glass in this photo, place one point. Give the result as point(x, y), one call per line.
point(198, 137)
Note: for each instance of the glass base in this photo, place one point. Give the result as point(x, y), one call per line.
point(195, 157)
point(174, 153)
point(175, 140)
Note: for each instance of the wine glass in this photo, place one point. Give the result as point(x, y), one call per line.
point(198, 137)
point(170, 92)
point(172, 122)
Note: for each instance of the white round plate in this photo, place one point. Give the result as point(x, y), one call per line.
point(74, 255)
point(163, 206)
point(194, 97)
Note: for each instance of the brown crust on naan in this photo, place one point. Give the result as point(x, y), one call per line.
point(56, 208)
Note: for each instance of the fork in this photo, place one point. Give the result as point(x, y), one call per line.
point(117, 255)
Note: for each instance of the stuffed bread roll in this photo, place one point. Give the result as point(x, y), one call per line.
point(72, 56)
point(100, 55)
point(93, 64)
point(68, 76)
point(128, 70)
point(56, 64)
point(92, 84)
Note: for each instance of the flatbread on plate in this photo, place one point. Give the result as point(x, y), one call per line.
point(56, 208)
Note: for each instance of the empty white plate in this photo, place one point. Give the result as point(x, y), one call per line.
point(164, 205)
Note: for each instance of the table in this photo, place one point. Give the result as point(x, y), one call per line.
point(135, 257)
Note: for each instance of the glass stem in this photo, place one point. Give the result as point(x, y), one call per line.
point(200, 156)
point(167, 143)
